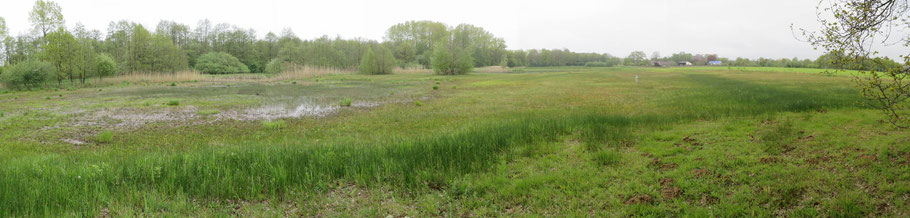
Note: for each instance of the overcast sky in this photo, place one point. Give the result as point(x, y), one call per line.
point(730, 28)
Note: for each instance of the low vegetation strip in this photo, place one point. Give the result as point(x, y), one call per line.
point(49, 183)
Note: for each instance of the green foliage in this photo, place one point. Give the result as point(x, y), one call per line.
point(637, 58)
point(485, 48)
point(46, 16)
point(63, 51)
point(173, 102)
point(382, 61)
point(607, 157)
point(27, 75)
point(105, 65)
point(105, 136)
point(448, 59)
point(220, 63)
point(274, 124)
point(324, 52)
point(345, 102)
point(417, 38)
point(274, 66)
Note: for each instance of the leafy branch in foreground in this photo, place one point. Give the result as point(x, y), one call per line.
point(854, 28)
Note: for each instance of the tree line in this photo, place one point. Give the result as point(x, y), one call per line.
point(53, 52)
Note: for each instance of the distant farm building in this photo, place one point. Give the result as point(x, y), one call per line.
point(684, 63)
point(715, 63)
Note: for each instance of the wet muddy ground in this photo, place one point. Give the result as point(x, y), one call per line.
point(74, 117)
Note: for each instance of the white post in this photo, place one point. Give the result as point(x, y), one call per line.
point(636, 78)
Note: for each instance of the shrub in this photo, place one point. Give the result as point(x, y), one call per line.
point(274, 66)
point(435, 87)
point(28, 74)
point(105, 65)
point(173, 103)
point(378, 61)
point(220, 63)
point(345, 102)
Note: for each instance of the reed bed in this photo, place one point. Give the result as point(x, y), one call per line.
point(182, 76)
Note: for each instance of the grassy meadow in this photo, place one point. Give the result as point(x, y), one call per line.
point(562, 141)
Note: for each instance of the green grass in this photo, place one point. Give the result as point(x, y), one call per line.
point(105, 136)
point(274, 124)
point(568, 141)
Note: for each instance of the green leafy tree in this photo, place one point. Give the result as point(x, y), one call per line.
point(104, 66)
point(487, 49)
point(62, 50)
point(451, 60)
point(220, 63)
point(140, 55)
point(4, 57)
point(681, 56)
point(382, 61)
point(406, 53)
point(46, 17)
point(27, 75)
point(637, 58)
point(422, 35)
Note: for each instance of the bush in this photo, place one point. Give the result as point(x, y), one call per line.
point(173, 103)
point(274, 66)
point(345, 102)
point(379, 62)
point(451, 61)
point(220, 63)
point(105, 65)
point(28, 74)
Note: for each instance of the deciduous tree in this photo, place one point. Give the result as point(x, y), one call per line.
point(46, 17)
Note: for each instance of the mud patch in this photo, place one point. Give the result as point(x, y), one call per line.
point(700, 172)
point(640, 199)
point(670, 192)
point(134, 118)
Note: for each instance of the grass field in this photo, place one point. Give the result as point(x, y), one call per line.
point(568, 141)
